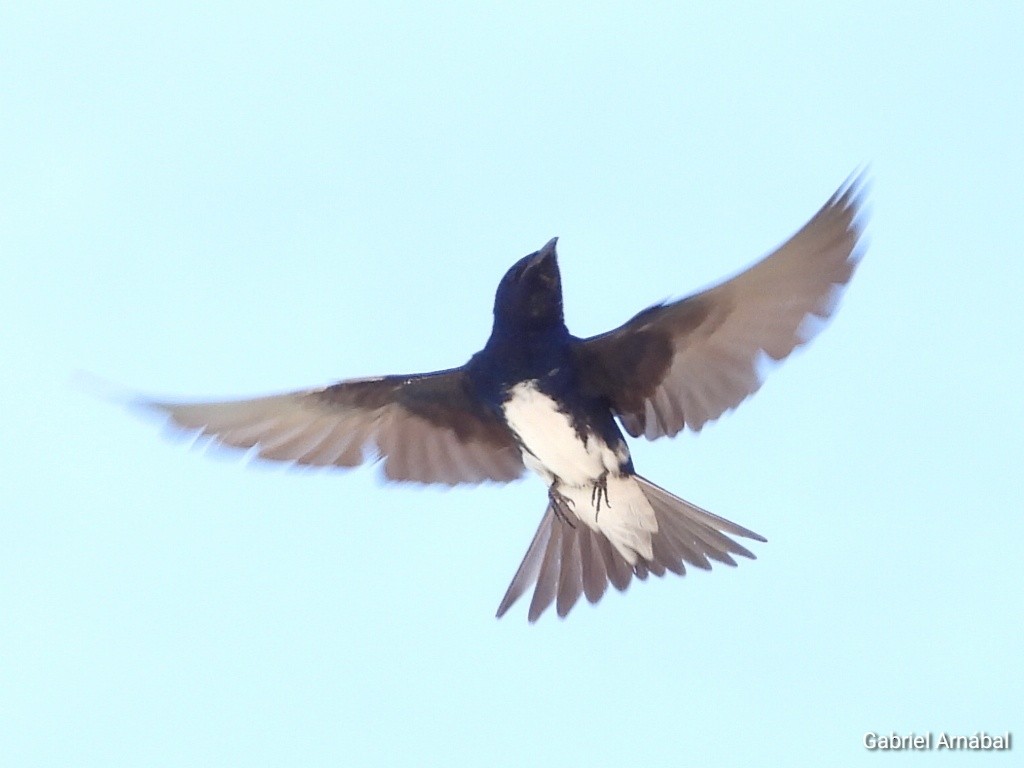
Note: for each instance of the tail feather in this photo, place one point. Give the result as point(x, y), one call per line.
point(530, 567)
point(595, 575)
point(566, 560)
point(547, 578)
point(619, 569)
point(570, 579)
point(689, 552)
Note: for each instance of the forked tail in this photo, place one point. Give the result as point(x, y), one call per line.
point(567, 560)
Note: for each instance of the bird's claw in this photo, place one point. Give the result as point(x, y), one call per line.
point(600, 491)
point(561, 506)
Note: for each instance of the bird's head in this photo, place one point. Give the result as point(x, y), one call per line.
point(530, 293)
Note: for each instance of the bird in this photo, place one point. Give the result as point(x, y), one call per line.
point(537, 398)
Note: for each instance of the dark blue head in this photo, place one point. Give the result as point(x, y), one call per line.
point(529, 296)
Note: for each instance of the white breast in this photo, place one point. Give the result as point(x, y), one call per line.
point(553, 447)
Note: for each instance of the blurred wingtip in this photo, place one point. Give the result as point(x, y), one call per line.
point(103, 389)
point(96, 386)
point(855, 188)
point(857, 195)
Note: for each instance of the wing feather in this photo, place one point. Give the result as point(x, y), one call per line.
point(427, 428)
point(684, 364)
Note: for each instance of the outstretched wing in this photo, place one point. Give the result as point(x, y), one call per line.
point(427, 428)
point(684, 364)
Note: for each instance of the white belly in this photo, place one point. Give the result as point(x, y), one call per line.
point(553, 448)
point(555, 451)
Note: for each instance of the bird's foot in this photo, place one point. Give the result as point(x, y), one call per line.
point(561, 506)
point(600, 491)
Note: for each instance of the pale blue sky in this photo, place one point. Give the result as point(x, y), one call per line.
point(223, 201)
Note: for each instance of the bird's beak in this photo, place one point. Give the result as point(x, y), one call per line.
point(548, 250)
point(545, 253)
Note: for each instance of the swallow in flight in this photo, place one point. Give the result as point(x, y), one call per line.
point(536, 397)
